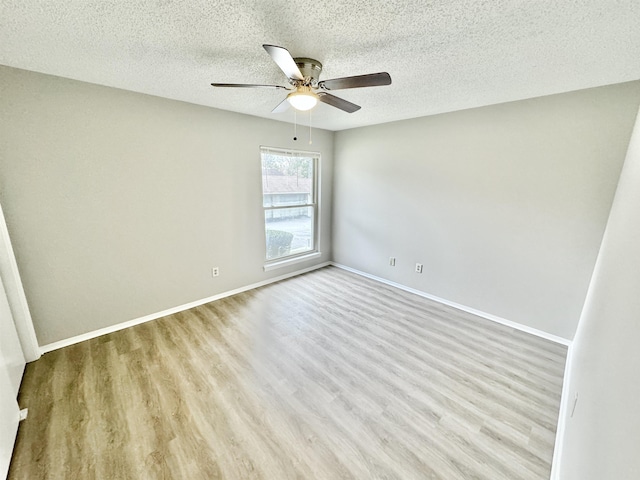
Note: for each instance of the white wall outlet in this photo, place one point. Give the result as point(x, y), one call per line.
point(418, 268)
point(392, 261)
point(215, 271)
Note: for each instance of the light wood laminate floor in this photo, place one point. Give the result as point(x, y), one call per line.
point(328, 375)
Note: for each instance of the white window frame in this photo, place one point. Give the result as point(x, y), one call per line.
point(314, 205)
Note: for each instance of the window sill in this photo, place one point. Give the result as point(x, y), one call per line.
point(291, 261)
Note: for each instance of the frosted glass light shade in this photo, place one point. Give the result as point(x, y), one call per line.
point(302, 100)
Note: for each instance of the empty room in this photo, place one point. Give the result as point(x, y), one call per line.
point(356, 240)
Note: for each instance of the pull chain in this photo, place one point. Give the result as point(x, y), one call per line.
point(295, 125)
point(310, 142)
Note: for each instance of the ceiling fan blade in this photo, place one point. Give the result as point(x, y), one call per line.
point(245, 85)
point(283, 106)
point(338, 102)
point(371, 80)
point(285, 61)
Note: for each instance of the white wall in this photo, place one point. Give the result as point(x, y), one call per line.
point(118, 204)
point(602, 439)
point(504, 205)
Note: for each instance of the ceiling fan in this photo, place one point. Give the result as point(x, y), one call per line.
point(305, 87)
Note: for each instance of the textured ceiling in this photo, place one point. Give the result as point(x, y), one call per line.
point(442, 55)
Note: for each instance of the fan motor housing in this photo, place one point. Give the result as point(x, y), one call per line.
point(310, 69)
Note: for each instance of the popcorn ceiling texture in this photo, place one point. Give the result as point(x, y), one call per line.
point(442, 55)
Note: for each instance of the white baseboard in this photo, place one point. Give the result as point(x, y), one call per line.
point(154, 316)
point(464, 308)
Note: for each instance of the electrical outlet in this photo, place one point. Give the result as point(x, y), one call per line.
point(392, 261)
point(418, 268)
point(215, 271)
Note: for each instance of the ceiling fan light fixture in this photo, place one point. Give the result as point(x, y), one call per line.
point(304, 75)
point(303, 99)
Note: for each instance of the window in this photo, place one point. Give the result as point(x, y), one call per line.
point(290, 202)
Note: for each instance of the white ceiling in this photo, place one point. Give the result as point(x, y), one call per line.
point(443, 55)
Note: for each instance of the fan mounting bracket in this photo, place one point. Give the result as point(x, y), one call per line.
point(310, 70)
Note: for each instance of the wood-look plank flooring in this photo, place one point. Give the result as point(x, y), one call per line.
point(327, 375)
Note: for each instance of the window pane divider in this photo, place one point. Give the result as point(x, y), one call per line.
point(295, 205)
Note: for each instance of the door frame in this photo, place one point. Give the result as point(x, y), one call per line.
point(16, 296)
point(9, 420)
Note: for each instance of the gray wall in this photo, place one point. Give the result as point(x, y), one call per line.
point(118, 204)
point(602, 438)
point(504, 205)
